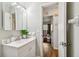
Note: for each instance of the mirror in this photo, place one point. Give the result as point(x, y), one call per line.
point(14, 16)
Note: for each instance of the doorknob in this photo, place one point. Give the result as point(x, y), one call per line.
point(64, 44)
point(69, 44)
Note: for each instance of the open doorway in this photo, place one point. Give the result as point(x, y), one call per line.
point(50, 30)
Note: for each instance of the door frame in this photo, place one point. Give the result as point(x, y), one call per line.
point(61, 29)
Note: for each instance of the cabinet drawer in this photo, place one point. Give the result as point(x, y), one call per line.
point(23, 51)
point(30, 53)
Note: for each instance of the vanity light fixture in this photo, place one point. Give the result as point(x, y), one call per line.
point(18, 6)
point(14, 4)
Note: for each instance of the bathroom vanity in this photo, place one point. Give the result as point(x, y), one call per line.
point(20, 48)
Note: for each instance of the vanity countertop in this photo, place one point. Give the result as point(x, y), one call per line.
point(21, 42)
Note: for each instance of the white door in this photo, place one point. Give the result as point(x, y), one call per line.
point(62, 29)
point(54, 32)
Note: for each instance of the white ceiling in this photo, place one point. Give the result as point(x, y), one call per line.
point(27, 4)
point(43, 4)
point(46, 4)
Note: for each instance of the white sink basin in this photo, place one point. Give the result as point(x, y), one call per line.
point(20, 42)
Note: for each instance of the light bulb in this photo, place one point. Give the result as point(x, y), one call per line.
point(18, 6)
point(13, 4)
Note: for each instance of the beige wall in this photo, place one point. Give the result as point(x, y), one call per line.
point(50, 11)
point(73, 32)
point(0, 16)
point(70, 30)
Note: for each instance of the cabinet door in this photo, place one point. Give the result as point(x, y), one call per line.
point(7, 21)
point(27, 50)
point(14, 18)
point(24, 20)
point(19, 18)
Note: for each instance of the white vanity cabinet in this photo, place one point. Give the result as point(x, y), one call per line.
point(20, 48)
point(27, 50)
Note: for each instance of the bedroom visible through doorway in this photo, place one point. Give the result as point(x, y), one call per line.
point(50, 30)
